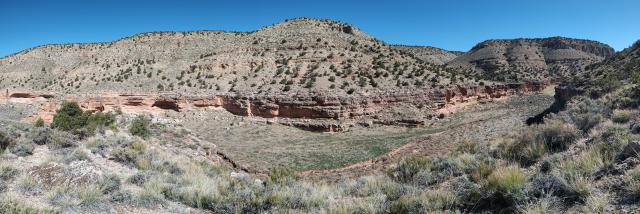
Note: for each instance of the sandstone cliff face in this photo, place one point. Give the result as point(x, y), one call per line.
point(531, 59)
point(328, 111)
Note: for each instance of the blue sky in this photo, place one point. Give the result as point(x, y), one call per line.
point(449, 24)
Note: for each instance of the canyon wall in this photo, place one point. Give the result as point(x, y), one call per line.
point(300, 108)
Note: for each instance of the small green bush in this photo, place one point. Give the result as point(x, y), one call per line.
point(71, 118)
point(410, 167)
point(541, 206)
point(41, 135)
point(39, 122)
point(22, 149)
point(597, 203)
point(552, 136)
point(62, 139)
point(100, 120)
point(140, 126)
point(587, 113)
point(125, 155)
point(280, 175)
point(4, 142)
point(7, 172)
point(506, 185)
point(77, 155)
point(558, 135)
point(621, 116)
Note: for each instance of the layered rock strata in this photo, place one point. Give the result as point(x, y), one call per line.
point(311, 111)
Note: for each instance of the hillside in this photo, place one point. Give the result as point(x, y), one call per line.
point(530, 59)
point(620, 66)
point(298, 55)
point(299, 69)
point(428, 54)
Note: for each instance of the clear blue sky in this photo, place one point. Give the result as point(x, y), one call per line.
point(449, 24)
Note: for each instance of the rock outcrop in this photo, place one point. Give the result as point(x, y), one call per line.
point(311, 112)
point(531, 59)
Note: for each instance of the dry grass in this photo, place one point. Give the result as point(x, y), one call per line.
point(542, 206)
point(13, 204)
point(597, 203)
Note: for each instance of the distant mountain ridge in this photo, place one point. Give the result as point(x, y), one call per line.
point(531, 59)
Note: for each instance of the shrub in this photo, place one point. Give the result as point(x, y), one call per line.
point(61, 139)
point(8, 172)
point(84, 195)
point(632, 181)
point(576, 173)
point(41, 135)
point(16, 205)
point(409, 167)
point(467, 192)
point(39, 122)
point(100, 120)
point(552, 136)
point(140, 126)
point(375, 184)
point(110, 184)
point(77, 155)
point(281, 175)
point(541, 206)
point(587, 113)
point(558, 135)
point(28, 185)
point(597, 203)
point(4, 141)
point(139, 178)
point(22, 149)
point(425, 202)
point(506, 186)
point(125, 155)
point(69, 117)
point(612, 141)
point(374, 204)
point(621, 116)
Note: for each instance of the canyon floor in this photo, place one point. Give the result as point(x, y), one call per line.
point(257, 145)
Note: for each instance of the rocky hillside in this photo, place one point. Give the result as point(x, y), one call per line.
point(428, 54)
point(618, 72)
point(530, 59)
point(297, 55)
point(621, 66)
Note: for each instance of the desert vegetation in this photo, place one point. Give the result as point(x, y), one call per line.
point(555, 166)
point(583, 158)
